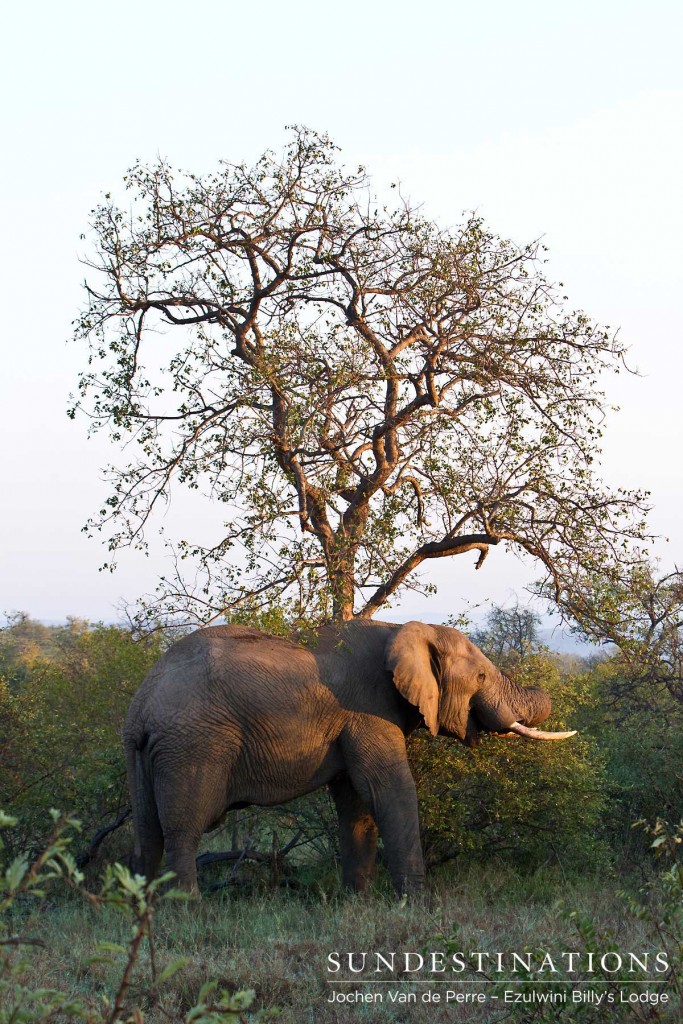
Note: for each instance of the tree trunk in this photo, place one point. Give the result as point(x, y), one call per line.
point(342, 578)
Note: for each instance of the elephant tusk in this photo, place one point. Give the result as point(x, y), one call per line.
point(537, 734)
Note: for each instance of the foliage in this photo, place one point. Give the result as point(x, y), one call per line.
point(357, 389)
point(24, 642)
point(642, 616)
point(639, 689)
point(644, 776)
point(130, 895)
point(638, 729)
point(62, 710)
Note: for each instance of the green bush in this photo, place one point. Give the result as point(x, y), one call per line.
point(62, 706)
point(638, 729)
point(659, 903)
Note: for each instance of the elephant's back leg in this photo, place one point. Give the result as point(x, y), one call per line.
point(357, 835)
point(191, 790)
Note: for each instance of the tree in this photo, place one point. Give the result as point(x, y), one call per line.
point(510, 634)
point(23, 641)
point(358, 390)
point(642, 616)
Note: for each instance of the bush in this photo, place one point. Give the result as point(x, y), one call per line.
point(660, 904)
point(62, 706)
point(639, 731)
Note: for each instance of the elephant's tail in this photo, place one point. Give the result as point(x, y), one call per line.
point(149, 838)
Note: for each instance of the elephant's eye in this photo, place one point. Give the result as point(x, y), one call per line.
point(482, 677)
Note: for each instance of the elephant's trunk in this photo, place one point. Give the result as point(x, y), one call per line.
point(519, 709)
point(530, 705)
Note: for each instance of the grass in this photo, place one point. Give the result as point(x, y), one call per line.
point(277, 942)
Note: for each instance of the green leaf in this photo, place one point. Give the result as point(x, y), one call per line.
point(15, 873)
point(242, 1000)
point(111, 947)
point(173, 968)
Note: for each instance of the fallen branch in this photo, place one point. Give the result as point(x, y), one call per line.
point(207, 859)
point(84, 858)
point(249, 853)
point(17, 940)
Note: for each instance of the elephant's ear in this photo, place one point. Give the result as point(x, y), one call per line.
point(409, 656)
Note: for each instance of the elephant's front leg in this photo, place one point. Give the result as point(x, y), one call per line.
point(357, 835)
point(386, 785)
point(395, 811)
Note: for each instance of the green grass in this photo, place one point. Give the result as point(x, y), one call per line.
point(277, 941)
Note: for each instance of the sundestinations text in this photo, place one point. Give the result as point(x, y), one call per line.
point(413, 963)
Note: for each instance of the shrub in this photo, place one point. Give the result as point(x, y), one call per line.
point(61, 708)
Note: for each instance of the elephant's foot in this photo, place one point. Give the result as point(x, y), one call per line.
point(181, 858)
point(410, 887)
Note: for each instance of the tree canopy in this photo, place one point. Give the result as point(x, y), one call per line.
point(357, 389)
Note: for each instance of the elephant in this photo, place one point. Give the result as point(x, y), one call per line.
point(231, 716)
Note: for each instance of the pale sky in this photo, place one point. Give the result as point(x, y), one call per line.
point(555, 120)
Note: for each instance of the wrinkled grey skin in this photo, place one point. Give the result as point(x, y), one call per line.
point(230, 717)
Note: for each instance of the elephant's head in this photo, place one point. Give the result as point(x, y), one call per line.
point(458, 690)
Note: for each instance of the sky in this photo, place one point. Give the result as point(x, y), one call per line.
point(554, 121)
